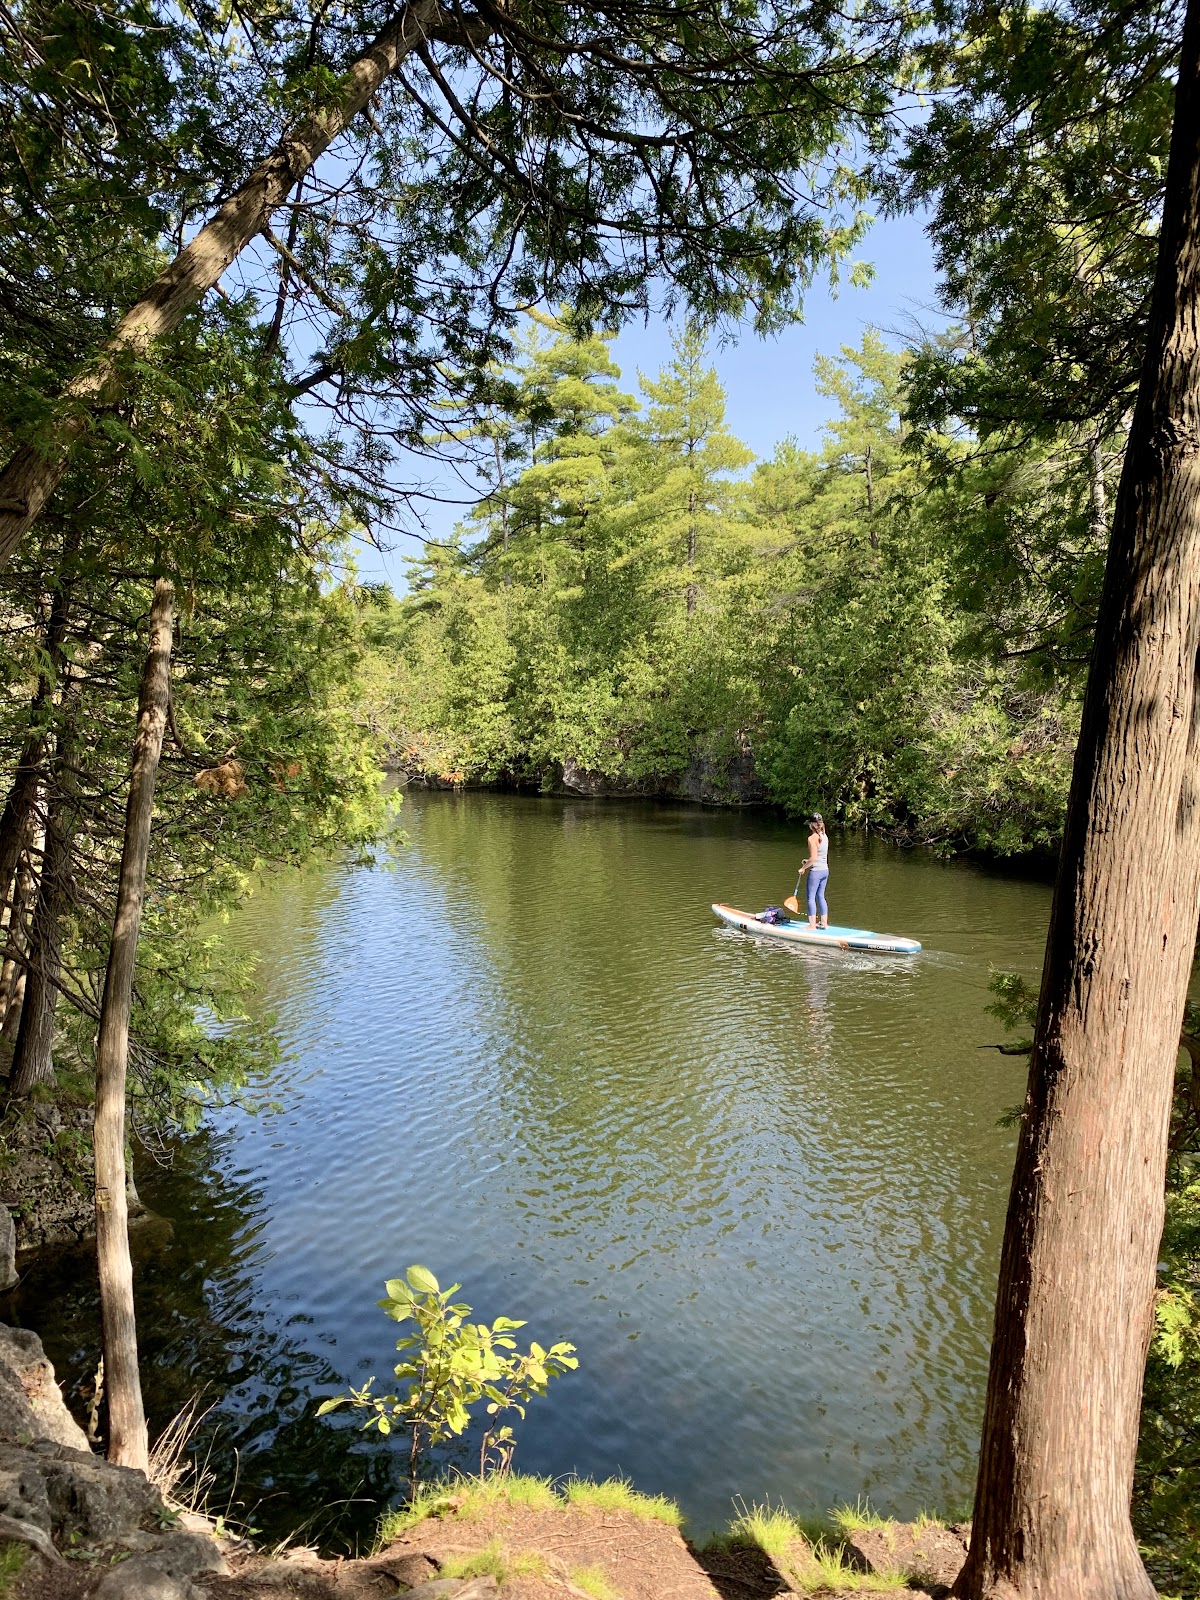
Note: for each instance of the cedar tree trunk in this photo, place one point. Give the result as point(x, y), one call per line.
point(32, 474)
point(18, 806)
point(12, 974)
point(127, 1439)
point(1074, 1307)
point(32, 1063)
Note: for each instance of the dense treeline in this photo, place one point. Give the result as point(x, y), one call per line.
point(636, 605)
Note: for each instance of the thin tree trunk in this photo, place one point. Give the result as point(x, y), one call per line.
point(33, 1060)
point(13, 1013)
point(127, 1440)
point(1074, 1306)
point(691, 551)
point(12, 975)
point(18, 806)
point(18, 809)
point(33, 473)
point(1099, 496)
point(502, 485)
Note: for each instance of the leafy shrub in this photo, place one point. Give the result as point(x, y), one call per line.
point(450, 1365)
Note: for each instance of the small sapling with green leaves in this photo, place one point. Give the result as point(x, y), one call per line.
point(450, 1365)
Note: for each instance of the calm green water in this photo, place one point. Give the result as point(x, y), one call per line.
point(760, 1188)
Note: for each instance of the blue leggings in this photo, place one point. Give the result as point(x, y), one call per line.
point(818, 877)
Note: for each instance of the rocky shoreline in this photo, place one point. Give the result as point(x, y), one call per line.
point(729, 781)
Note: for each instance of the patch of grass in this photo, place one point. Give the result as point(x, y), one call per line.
point(926, 1519)
point(851, 1519)
point(809, 1562)
point(467, 1497)
point(430, 1500)
point(496, 1562)
point(491, 1561)
point(775, 1532)
point(827, 1569)
point(12, 1563)
point(475, 1495)
point(593, 1581)
point(618, 1494)
point(529, 1564)
point(519, 1489)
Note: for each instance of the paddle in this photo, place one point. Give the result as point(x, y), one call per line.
point(792, 902)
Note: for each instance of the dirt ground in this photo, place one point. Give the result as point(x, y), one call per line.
point(535, 1555)
point(511, 1552)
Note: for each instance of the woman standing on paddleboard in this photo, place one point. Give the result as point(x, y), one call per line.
point(817, 870)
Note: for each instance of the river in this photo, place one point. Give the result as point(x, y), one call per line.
point(760, 1188)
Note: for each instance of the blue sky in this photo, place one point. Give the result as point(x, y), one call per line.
point(768, 382)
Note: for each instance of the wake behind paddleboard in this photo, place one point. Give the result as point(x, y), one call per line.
point(829, 938)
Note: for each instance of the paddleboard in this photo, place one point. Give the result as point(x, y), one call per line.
point(830, 938)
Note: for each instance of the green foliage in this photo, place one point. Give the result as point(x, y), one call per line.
point(13, 1560)
point(1043, 159)
point(205, 477)
point(450, 1366)
point(706, 157)
point(1167, 1482)
point(1015, 1004)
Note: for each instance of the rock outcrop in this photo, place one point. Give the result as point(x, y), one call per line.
point(47, 1183)
point(728, 778)
point(928, 1553)
point(57, 1495)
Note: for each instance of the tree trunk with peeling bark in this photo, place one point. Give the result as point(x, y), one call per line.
point(33, 1063)
point(18, 805)
point(33, 472)
point(128, 1444)
point(1074, 1306)
point(16, 934)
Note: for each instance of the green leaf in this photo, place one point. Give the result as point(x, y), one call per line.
point(422, 1280)
point(331, 1405)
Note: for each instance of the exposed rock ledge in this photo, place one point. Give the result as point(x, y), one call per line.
point(47, 1176)
point(92, 1528)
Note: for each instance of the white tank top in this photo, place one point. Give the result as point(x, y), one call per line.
point(823, 850)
